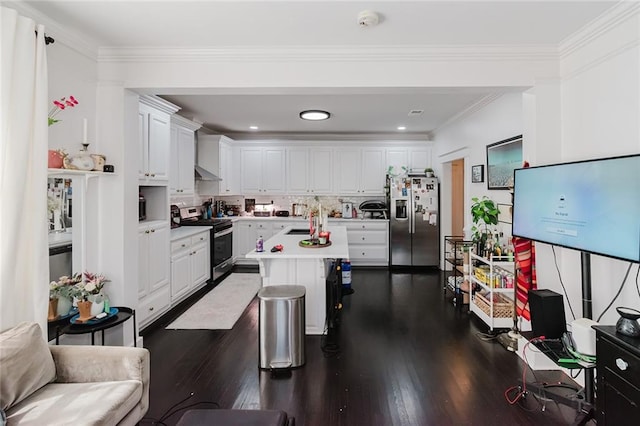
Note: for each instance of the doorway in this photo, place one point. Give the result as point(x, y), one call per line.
point(457, 197)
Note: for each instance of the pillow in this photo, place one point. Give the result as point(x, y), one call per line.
point(26, 364)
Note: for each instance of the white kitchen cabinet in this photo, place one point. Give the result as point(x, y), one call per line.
point(262, 170)
point(419, 158)
point(368, 241)
point(154, 133)
point(189, 265)
point(218, 154)
point(410, 157)
point(245, 235)
point(309, 171)
point(153, 264)
point(182, 156)
point(360, 171)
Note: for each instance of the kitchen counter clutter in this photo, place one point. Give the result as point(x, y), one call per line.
point(296, 265)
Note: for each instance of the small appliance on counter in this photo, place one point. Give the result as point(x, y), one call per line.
point(375, 208)
point(263, 210)
point(282, 213)
point(175, 216)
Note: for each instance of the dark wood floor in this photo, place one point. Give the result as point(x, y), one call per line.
point(406, 357)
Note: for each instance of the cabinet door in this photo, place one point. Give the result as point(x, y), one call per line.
point(199, 264)
point(321, 170)
point(143, 142)
point(372, 178)
point(158, 257)
point(180, 274)
point(159, 141)
point(246, 238)
point(397, 158)
point(186, 159)
point(251, 166)
point(419, 159)
point(297, 170)
point(143, 262)
point(174, 162)
point(348, 172)
point(273, 170)
point(225, 168)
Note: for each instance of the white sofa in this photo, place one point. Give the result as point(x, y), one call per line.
point(70, 385)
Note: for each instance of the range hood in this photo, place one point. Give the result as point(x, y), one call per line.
point(204, 174)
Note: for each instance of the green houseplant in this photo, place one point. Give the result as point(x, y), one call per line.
point(484, 213)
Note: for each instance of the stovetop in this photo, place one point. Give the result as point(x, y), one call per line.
point(216, 222)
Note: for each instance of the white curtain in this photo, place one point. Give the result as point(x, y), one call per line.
point(24, 263)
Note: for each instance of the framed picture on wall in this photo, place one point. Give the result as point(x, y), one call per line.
point(502, 159)
point(477, 173)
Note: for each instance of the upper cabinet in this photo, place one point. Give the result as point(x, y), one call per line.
point(360, 171)
point(262, 170)
point(154, 135)
point(418, 158)
point(217, 154)
point(182, 155)
point(309, 171)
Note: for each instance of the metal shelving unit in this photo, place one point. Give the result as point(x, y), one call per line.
point(497, 283)
point(454, 257)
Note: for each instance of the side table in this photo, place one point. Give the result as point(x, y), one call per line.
point(123, 315)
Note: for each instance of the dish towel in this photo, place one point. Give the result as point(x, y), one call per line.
point(525, 257)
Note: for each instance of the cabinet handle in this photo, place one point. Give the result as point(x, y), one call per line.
point(153, 230)
point(362, 238)
point(184, 245)
point(151, 309)
point(153, 175)
point(621, 364)
point(146, 174)
point(201, 238)
point(146, 232)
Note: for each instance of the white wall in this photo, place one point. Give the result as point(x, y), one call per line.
point(467, 138)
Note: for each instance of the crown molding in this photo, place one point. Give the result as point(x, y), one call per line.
point(83, 45)
point(247, 136)
point(159, 104)
point(610, 19)
point(179, 120)
point(471, 109)
point(329, 53)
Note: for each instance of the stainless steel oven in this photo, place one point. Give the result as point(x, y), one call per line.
point(222, 248)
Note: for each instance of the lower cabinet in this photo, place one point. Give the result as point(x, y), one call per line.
point(189, 265)
point(245, 234)
point(368, 241)
point(153, 270)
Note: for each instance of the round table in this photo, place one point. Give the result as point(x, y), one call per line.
point(123, 314)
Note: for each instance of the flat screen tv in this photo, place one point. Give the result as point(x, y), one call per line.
point(592, 206)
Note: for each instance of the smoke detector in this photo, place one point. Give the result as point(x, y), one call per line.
point(368, 18)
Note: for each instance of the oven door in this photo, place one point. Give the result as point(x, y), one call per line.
point(222, 252)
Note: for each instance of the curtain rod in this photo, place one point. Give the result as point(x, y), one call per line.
point(47, 40)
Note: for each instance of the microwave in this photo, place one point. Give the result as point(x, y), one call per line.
point(142, 208)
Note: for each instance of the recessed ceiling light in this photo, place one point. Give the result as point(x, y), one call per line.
point(314, 115)
point(253, 127)
point(402, 128)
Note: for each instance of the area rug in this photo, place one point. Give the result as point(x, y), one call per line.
point(220, 308)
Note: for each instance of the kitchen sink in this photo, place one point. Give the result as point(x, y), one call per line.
point(295, 231)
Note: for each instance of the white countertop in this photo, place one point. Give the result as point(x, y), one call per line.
point(339, 248)
point(57, 239)
point(187, 231)
point(301, 218)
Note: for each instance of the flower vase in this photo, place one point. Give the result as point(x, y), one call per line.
point(53, 309)
point(84, 307)
point(64, 305)
point(97, 304)
point(55, 159)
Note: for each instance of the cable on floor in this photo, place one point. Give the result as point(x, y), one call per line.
point(174, 409)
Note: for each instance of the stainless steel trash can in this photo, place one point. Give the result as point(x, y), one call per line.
point(281, 326)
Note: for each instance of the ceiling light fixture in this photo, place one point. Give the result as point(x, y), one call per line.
point(402, 128)
point(253, 127)
point(314, 115)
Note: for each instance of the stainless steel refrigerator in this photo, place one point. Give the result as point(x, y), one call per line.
point(415, 224)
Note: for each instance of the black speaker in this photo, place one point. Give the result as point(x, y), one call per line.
point(547, 314)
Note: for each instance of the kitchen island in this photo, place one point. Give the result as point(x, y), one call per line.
point(296, 265)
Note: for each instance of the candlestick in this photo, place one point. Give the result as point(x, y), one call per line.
point(84, 130)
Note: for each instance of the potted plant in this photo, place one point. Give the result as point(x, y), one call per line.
point(61, 294)
point(484, 213)
point(429, 172)
point(89, 295)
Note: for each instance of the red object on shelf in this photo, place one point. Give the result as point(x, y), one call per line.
point(55, 159)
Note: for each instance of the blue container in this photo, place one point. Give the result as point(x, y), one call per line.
point(346, 274)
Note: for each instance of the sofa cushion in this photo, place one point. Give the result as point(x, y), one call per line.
point(90, 404)
point(26, 363)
